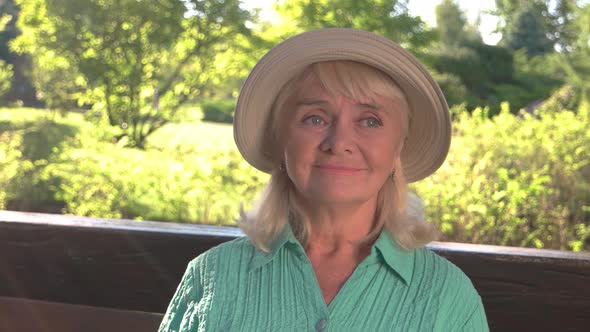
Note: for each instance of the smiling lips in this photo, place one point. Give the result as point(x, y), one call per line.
point(338, 169)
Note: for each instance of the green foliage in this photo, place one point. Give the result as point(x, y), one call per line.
point(218, 111)
point(68, 165)
point(58, 84)
point(28, 144)
point(5, 69)
point(389, 18)
point(478, 66)
point(21, 90)
point(565, 97)
point(517, 180)
point(535, 24)
point(123, 183)
point(452, 25)
point(581, 26)
point(565, 32)
point(479, 75)
point(573, 65)
point(5, 77)
point(454, 90)
point(535, 79)
point(528, 31)
point(136, 61)
point(10, 164)
point(538, 75)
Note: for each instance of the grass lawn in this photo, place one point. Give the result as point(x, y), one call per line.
point(197, 135)
point(192, 135)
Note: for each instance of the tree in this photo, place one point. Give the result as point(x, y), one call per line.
point(452, 25)
point(5, 69)
point(15, 69)
point(528, 31)
point(389, 18)
point(564, 22)
point(548, 68)
point(478, 66)
point(575, 64)
point(467, 69)
point(5, 77)
point(136, 62)
point(553, 20)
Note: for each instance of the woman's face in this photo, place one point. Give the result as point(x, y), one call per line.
point(338, 150)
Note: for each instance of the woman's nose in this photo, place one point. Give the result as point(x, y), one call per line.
point(339, 138)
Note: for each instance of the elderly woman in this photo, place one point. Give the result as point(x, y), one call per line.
point(342, 120)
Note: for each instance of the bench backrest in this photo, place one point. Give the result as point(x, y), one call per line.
point(131, 265)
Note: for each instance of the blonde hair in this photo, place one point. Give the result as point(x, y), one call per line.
point(399, 213)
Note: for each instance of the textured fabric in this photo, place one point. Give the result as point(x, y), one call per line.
point(236, 287)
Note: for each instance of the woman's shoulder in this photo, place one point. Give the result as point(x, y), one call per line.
point(445, 278)
point(431, 263)
point(455, 290)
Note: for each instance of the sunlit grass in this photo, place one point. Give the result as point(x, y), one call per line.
point(196, 136)
point(25, 114)
point(192, 135)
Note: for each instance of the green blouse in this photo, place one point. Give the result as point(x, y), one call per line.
point(236, 287)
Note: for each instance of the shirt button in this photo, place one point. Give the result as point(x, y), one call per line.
point(321, 324)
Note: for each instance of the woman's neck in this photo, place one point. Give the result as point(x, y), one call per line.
point(341, 227)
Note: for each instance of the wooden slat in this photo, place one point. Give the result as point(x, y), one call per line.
point(137, 265)
point(23, 315)
point(527, 289)
point(104, 263)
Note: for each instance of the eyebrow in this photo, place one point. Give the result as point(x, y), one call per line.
point(310, 102)
point(371, 106)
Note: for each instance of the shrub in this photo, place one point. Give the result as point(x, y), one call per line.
point(517, 180)
point(218, 111)
point(70, 166)
point(26, 144)
point(9, 163)
point(127, 183)
point(6, 74)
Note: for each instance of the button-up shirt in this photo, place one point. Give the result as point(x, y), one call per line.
point(237, 287)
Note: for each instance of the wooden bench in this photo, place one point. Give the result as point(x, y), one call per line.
point(61, 273)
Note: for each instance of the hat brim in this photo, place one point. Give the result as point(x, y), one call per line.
point(429, 131)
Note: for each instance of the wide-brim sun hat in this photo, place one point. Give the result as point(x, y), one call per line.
point(429, 131)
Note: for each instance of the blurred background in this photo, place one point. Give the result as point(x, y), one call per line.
point(123, 108)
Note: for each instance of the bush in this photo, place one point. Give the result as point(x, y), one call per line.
point(218, 111)
point(127, 183)
point(6, 74)
point(9, 162)
point(26, 144)
point(516, 180)
point(68, 165)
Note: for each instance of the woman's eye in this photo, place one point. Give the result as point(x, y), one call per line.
point(314, 120)
point(371, 122)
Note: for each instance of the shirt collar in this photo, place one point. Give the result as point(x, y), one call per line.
point(399, 260)
point(385, 250)
point(261, 258)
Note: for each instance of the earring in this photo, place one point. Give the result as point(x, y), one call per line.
point(392, 174)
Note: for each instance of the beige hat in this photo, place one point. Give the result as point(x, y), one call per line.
point(429, 132)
